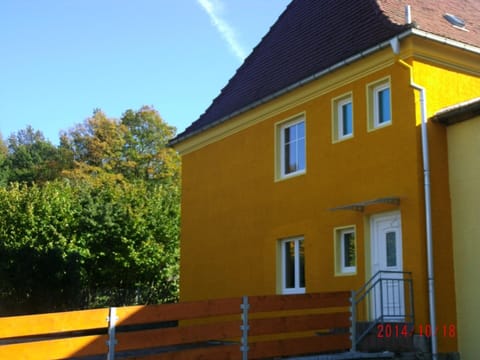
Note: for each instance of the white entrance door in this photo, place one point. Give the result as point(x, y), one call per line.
point(386, 242)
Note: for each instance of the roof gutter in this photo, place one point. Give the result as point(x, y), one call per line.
point(444, 40)
point(351, 59)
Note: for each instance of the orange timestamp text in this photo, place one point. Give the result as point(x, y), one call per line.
point(391, 330)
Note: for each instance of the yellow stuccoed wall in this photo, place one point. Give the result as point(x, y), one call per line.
point(463, 152)
point(234, 211)
point(445, 87)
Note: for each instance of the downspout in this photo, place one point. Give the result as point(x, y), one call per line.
point(428, 202)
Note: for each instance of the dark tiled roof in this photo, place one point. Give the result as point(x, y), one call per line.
point(313, 35)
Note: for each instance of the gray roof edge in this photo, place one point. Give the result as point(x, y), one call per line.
point(458, 112)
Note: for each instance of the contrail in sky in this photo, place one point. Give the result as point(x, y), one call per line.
point(223, 27)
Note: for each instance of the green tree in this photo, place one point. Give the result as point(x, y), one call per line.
point(96, 144)
point(146, 152)
point(131, 231)
point(40, 259)
point(31, 158)
point(77, 244)
point(3, 156)
point(134, 147)
point(3, 147)
point(92, 222)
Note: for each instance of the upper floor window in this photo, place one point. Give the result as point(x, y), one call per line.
point(291, 157)
point(292, 266)
point(342, 117)
point(379, 104)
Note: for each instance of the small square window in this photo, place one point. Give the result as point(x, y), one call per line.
point(291, 156)
point(292, 265)
point(379, 104)
point(342, 110)
point(345, 251)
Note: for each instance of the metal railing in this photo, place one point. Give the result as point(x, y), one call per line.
point(386, 298)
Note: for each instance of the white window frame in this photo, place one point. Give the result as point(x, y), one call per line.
point(337, 109)
point(282, 171)
point(373, 91)
point(297, 289)
point(340, 251)
point(376, 105)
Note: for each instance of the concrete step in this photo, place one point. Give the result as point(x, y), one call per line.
point(388, 336)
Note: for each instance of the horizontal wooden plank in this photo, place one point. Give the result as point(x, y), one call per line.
point(299, 301)
point(27, 325)
point(223, 329)
point(131, 315)
point(299, 346)
point(178, 335)
point(222, 352)
point(298, 323)
point(56, 349)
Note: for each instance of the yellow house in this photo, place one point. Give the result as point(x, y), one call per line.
point(463, 136)
point(316, 167)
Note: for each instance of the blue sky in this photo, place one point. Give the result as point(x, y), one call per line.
point(60, 59)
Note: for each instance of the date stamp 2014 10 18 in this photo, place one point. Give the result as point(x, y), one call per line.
point(403, 330)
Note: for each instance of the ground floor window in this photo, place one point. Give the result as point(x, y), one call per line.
point(292, 265)
point(345, 251)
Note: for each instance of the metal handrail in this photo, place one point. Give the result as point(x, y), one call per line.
point(371, 286)
point(409, 273)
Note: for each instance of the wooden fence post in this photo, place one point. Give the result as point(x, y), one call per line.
point(353, 331)
point(244, 327)
point(112, 320)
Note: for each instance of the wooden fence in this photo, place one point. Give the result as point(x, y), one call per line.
point(241, 328)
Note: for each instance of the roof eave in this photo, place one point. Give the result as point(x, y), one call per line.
point(444, 40)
